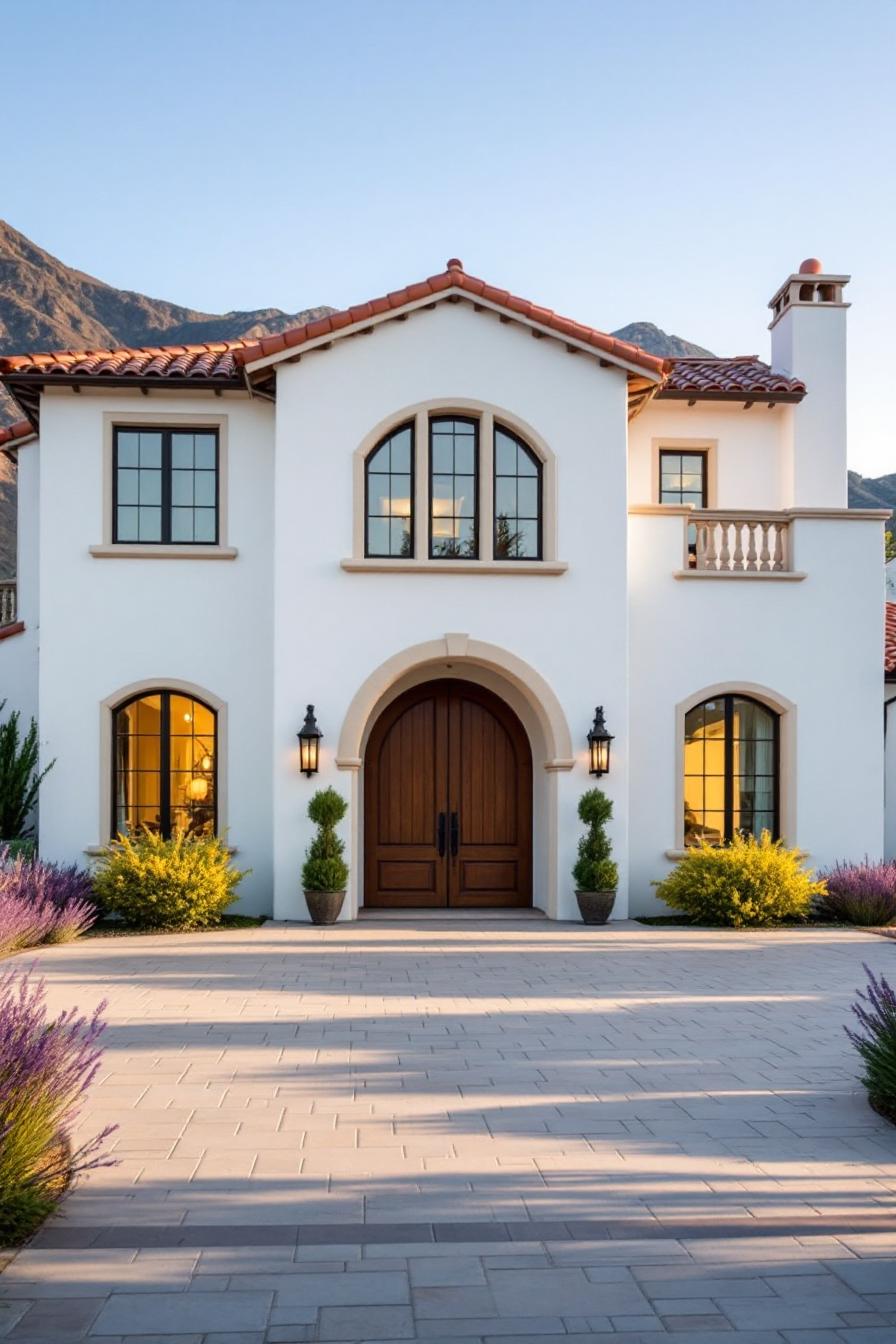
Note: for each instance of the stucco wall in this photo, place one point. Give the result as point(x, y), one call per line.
point(817, 643)
point(333, 628)
point(18, 653)
point(106, 624)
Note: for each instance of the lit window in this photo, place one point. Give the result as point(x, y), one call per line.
point(730, 770)
point(389, 484)
point(165, 765)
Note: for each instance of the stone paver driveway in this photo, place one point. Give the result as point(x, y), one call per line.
point(504, 1131)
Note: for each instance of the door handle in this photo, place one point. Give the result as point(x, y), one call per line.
point(441, 835)
point(455, 834)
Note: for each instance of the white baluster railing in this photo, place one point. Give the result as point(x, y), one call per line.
point(7, 602)
point(740, 542)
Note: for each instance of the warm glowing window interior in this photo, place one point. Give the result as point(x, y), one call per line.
point(165, 766)
point(730, 770)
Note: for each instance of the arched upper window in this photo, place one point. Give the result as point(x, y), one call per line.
point(731, 769)
point(164, 768)
point(453, 488)
point(389, 496)
point(517, 499)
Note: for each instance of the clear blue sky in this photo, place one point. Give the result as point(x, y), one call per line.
point(617, 162)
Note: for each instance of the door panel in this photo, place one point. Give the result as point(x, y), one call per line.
point(405, 788)
point(448, 801)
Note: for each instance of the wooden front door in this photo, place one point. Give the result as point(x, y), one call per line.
point(448, 801)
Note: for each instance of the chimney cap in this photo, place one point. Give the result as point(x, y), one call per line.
point(454, 264)
point(811, 266)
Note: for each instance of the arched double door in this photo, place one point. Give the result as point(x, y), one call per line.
point(448, 801)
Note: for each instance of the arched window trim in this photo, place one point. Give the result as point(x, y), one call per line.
point(488, 416)
point(165, 694)
point(539, 474)
point(368, 458)
point(134, 690)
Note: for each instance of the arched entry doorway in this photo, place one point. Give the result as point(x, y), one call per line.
point(447, 801)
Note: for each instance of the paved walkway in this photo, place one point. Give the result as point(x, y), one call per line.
point(512, 1131)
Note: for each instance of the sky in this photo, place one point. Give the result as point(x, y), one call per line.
point(617, 162)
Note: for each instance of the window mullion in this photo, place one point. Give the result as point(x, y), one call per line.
point(166, 485)
point(486, 501)
point(165, 765)
point(729, 768)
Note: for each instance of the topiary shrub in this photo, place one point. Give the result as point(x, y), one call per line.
point(860, 893)
point(324, 868)
point(876, 1042)
point(594, 870)
point(182, 883)
point(747, 884)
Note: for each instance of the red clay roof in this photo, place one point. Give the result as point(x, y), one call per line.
point(453, 277)
point(890, 640)
point(214, 360)
point(744, 375)
point(20, 429)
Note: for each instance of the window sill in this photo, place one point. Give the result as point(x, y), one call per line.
point(96, 851)
point(7, 631)
point(776, 576)
point(136, 551)
point(367, 565)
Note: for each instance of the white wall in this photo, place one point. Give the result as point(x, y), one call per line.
point(749, 459)
point(817, 643)
point(809, 342)
point(108, 623)
point(333, 628)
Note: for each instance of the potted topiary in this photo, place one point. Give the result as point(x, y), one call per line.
point(325, 872)
point(596, 875)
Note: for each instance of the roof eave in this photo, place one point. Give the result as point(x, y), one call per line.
point(763, 394)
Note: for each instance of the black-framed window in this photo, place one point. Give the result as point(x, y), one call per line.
point(165, 485)
point(683, 477)
point(164, 764)
point(731, 770)
point(518, 508)
point(389, 496)
point(453, 488)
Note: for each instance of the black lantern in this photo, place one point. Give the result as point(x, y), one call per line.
point(599, 744)
point(309, 744)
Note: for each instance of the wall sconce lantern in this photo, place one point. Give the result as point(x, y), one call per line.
point(309, 744)
point(599, 744)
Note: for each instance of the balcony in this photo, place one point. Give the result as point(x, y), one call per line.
point(7, 602)
point(725, 541)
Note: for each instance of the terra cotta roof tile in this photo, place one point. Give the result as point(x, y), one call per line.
point(744, 374)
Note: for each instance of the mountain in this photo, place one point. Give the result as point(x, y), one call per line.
point(872, 492)
point(659, 342)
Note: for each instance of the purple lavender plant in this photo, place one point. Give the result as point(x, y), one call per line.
point(860, 893)
point(46, 1067)
point(875, 1040)
point(41, 902)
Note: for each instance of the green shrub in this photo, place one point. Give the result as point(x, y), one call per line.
point(182, 883)
point(324, 868)
point(747, 884)
point(594, 870)
point(20, 778)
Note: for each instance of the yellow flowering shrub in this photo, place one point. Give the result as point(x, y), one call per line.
point(747, 884)
point(182, 883)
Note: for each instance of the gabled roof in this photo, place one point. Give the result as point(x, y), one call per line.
point(454, 280)
point(890, 641)
point(249, 364)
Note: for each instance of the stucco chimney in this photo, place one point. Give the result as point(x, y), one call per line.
point(808, 329)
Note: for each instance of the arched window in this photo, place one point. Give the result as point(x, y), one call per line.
point(164, 767)
point(453, 488)
point(731, 768)
point(389, 496)
point(518, 508)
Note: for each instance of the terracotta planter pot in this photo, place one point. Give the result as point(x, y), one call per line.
point(595, 906)
point(324, 906)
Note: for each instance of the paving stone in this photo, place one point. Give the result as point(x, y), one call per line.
point(562, 1291)
point(367, 1323)
point(447, 1270)
point(62, 1318)
point(867, 1276)
point(173, 1313)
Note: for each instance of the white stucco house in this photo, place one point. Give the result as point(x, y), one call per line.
point(454, 523)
